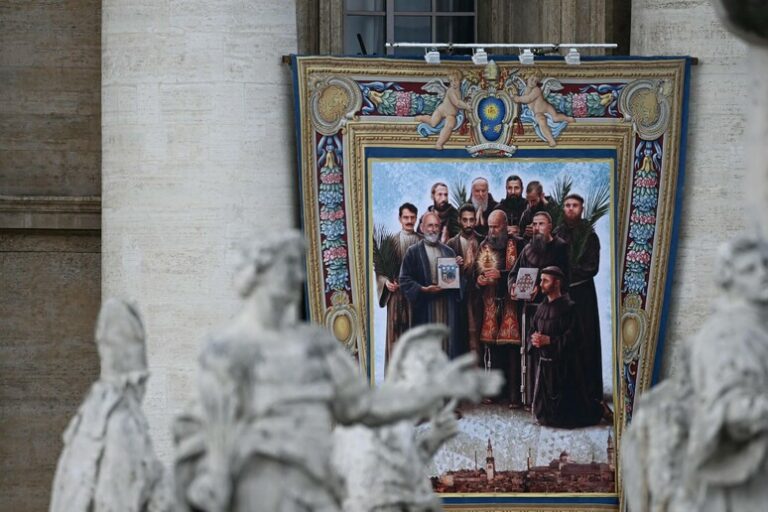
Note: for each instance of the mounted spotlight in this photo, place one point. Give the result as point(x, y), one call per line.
point(432, 56)
point(480, 57)
point(526, 57)
point(572, 57)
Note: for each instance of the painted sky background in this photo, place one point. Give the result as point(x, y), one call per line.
point(394, 182)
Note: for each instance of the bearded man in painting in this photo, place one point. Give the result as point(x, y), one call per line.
point(584, 256)
point(449, 216)
point(483, 202)
point(500, 332)
point(514, 204)
point(418, 280)
point(536, 202)
point(469, 315)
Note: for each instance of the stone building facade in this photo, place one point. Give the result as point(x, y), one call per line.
point(140, 140)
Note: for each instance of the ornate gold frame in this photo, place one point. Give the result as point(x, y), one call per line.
point(325, 105)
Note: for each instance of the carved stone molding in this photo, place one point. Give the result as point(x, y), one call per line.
point(50, 212)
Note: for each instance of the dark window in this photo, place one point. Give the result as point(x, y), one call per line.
point(407, 21)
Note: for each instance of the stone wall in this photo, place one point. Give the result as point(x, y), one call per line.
point(50, 182)
point(198, 153)
point(713, 204)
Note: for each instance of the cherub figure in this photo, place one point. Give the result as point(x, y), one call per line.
point(447, 110)
point(385, 468)
point(540, 107)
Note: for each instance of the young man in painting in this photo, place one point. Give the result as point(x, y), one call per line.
point(560, 396)
point(466, 245)
point(418, 281)
point(483, 202)
point(537, 202)
point(449, 216)
point(500, 331)
point(514, 204)
point(390, 295)
point(584, 256)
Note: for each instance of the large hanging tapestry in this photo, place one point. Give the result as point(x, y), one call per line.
point(533, 210)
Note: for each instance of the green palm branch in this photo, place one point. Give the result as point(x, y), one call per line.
point(386, 253)
point(596, 205)
point(562, 187)
point(459, 194)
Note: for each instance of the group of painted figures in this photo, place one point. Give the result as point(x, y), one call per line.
point(548, 347)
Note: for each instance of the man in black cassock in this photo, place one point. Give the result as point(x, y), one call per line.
point(560, 397)
point(418, 281)
point(536, 202)
point(584, 256)
point(544, 250)
point(449, 216)
point(514, 204)
point(469, 314)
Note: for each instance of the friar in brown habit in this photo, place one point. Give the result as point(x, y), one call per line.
point(560, 397)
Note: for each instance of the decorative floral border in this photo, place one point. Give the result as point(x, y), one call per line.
point(333, 222)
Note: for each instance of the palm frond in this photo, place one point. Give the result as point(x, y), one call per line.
point(459, 194)
point(562, 187)
point(597, 203)
point(386, 253)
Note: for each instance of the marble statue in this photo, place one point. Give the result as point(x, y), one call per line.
point(385, 468)
point(108, 463)
point(699, 440)
point(259, 437)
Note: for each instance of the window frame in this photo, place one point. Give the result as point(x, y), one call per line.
point(389, 14)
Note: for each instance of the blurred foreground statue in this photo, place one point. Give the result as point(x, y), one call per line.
point(385, 468)
point(108, 463)
point(259, 438)
point(699, 440)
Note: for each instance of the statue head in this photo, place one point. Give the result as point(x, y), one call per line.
point(272, 263)
point(120, 339)
point(743, 268)
point(746, 18)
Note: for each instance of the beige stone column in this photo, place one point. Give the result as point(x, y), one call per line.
point(756, 148)
point(714, 202)
point(198, 148)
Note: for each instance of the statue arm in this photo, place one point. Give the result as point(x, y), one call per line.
point(746, 416)
point(356, 402)
point(441, 428)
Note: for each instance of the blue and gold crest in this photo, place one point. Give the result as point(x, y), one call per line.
point(491, 115)
point(491, 112)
